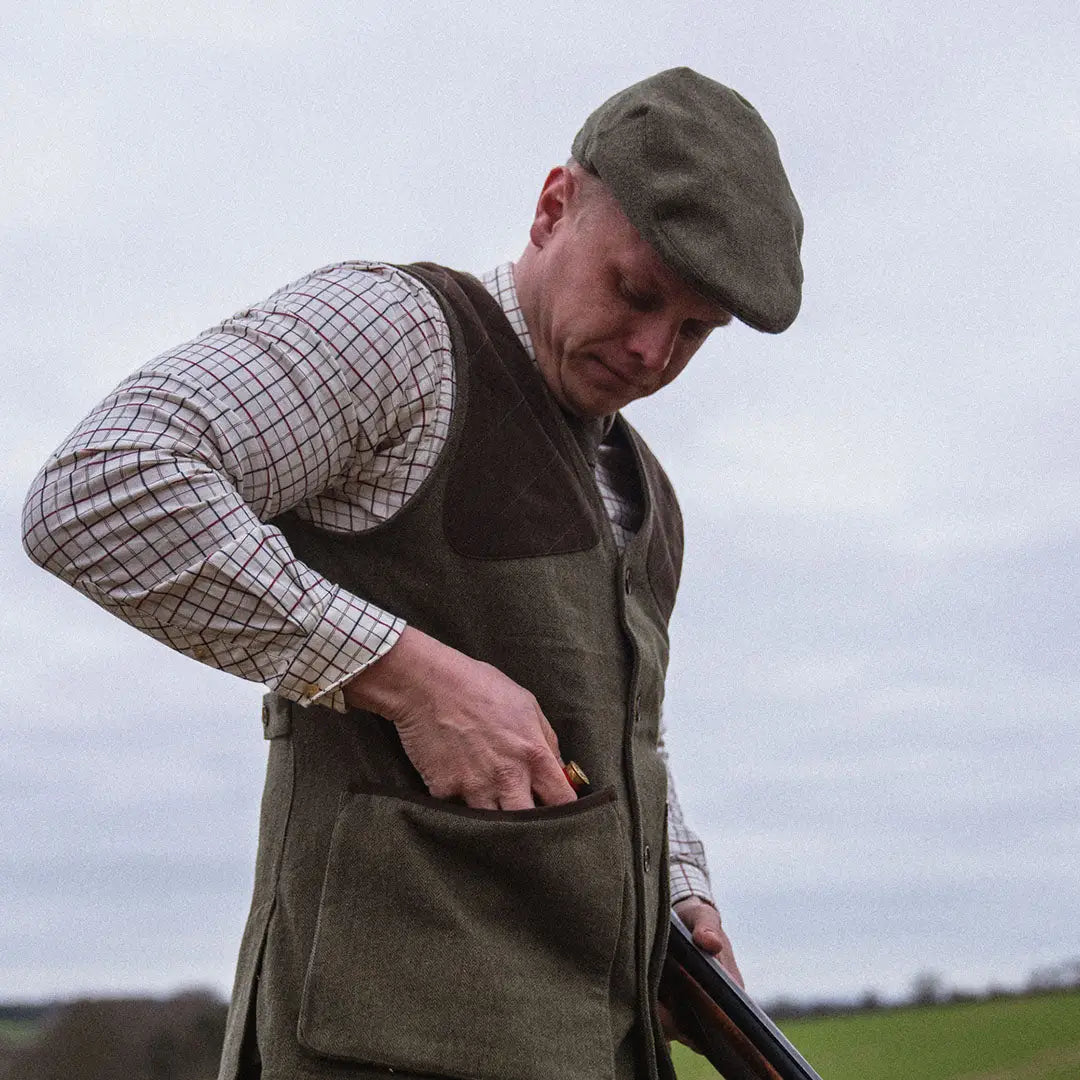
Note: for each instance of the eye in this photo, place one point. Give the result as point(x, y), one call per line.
point(636, 298)
point(694, 330)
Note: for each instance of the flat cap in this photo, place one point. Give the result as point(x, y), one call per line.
point(697, 172)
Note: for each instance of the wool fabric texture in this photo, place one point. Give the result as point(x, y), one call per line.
point(697, 171)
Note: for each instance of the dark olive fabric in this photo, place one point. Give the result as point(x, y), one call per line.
point(697, 171)
point(390, 930)
point(539, 506)
point(454, 872)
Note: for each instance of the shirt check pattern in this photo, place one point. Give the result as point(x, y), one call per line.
point(333, 399)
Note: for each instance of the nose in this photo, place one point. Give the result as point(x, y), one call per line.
point(652, 341)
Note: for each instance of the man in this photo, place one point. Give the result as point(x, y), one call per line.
point(406, 500)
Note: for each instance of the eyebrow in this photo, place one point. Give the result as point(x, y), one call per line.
point(651, 288)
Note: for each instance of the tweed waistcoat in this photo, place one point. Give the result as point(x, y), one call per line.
point(390, 930)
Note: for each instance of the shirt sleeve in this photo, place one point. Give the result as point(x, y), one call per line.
point(159, 505)
point(688, 868)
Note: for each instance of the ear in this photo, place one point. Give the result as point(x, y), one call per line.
point(552, 205)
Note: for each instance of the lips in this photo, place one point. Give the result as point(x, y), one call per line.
point(615, 373)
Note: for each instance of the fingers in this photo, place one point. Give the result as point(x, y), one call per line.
point(707, 932)
point(550, 737)
point(510, 783)
point(512, 788)
point(549, 781)
point(540, 782)
point(471, 732)
point(517, 801)
point(672, 1030)
point(727, 960)
point(703, 922)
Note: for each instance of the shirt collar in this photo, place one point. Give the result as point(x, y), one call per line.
point(500, 283)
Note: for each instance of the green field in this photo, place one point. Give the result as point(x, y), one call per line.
point(1014, 1038)
point(16, 1032)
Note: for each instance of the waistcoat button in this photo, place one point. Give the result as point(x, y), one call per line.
point(646, 859)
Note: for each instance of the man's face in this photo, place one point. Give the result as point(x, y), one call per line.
point(610, 322)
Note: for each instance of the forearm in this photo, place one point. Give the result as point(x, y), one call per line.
point(167, 545)
point(157, 506)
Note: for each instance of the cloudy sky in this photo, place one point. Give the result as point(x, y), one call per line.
point(873, 701)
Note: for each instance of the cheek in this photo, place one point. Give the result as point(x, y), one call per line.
point(591, 326)
point(573, 331)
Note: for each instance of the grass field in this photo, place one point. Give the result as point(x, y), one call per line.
point(16, 1032)
point(1011, 1038)
point(1018, 1038)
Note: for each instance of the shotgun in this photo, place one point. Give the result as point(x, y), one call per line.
point(733, 1032)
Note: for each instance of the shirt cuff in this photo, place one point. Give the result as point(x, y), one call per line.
point(351, 635)
point(688, 880)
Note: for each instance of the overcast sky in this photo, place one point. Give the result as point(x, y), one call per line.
point(873, 699)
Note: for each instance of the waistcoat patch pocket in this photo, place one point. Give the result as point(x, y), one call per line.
point(468, 943)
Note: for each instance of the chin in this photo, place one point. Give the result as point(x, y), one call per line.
point(585, 397)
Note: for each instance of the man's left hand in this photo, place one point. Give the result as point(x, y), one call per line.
point(703, 922)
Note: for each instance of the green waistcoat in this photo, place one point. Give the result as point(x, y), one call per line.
point(389, 930)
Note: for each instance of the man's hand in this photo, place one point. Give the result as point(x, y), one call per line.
point(471, 732)
point(703, 922)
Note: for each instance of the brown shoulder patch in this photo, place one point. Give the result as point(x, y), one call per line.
point(517, 485)
point(512, 491)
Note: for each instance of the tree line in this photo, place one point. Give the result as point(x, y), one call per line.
point(177, 1038)
point(929, 988)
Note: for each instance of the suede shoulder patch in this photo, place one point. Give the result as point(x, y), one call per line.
point(518, 485)
point(513, 490)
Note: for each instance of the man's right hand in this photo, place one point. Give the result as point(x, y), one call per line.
point(471, 732)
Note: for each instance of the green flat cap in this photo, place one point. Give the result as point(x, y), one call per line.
point(696, 170)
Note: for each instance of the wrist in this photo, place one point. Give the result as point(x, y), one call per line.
point(382, 686)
